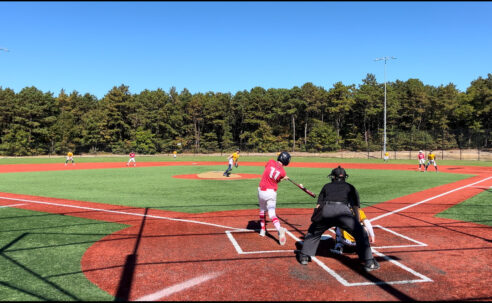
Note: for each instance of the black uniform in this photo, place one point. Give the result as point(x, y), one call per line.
point(334, 209)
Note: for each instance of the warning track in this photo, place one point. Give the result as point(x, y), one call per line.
point(166, 255)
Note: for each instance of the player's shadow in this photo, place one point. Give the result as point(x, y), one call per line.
point(324, 250)
point(255, 225)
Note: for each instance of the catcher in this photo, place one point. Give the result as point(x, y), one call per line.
point(335, 203)
point(344, 238)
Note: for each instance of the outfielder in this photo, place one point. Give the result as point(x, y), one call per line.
point(69, 158)
point(421, 158)
point(431, 160)
point(386, 156)
point(267, 193)
point(232, 161)
point(132, 159)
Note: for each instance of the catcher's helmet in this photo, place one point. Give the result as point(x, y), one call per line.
point(338, 173)
point(284, 158)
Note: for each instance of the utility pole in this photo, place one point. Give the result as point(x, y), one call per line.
point(385, 59)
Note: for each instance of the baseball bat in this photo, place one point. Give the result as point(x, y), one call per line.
point(307, 191)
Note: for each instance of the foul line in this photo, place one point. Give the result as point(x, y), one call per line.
point(178, 287)
point(426, 200)
point(124, 213)
point(4, 206)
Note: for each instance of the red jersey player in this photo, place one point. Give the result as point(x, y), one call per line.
point(421, 158)
point(132, 159)
point(267, 193)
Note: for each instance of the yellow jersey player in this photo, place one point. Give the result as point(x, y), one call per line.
point(431, 159)
point(69, 158)
point(343, 238)
point(386, 156)
point(174, 154)
point(232, 161)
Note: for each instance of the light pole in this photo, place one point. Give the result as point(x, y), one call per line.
point(385, 59)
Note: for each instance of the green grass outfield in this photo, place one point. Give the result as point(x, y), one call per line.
point(243, 157)
point(154, 187)
point(40, 253)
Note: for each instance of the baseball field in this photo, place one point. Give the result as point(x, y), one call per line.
point(176, 229)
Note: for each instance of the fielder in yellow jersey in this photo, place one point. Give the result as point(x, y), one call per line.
point(69, 158)
point(431, 159)
point(232, 161)
point(344, 238)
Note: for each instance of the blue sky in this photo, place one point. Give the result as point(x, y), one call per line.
point(232, 46)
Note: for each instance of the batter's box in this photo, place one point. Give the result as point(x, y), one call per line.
point(391, 272)
point(387, 238)
point(250, 242)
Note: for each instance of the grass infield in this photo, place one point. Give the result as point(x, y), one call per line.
point(40, 256)
point(40, 253)
point(154, 187)
point(477, 209)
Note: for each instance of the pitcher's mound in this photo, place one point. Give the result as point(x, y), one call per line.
point(218, 175)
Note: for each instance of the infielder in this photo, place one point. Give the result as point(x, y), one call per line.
point(421, 158)
point(232, 161)
point(431, 160)
point(267, 193)
point(344, 238)
point(69, 158)
point(132, 159)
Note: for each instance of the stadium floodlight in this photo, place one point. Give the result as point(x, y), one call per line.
point(385, 59)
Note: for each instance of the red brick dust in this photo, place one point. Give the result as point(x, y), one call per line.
point(218, 176)
point(179, 256)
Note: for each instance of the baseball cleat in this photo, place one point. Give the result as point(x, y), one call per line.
point(262, 232)
point(303, 259)
point(371, 265)
point(281, 236)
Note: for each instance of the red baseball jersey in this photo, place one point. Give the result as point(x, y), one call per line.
point(132, 155)
point(273, 173)
point(421, 156)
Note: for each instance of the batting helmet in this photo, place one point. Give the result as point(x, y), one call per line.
point(284, 158)
point(338, 173)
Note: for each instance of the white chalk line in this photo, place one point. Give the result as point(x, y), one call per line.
point(123, 213)
point(236, 245)
point(240, 250)
point(321, 264)
point(178, 287)
point(13, 205)
point(348, 284)
point(426, 200)
point(418, 243)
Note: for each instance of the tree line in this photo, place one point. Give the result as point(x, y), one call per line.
point(307, 118)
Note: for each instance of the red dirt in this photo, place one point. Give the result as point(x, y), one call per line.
point(196, 177)
point(456, 258)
